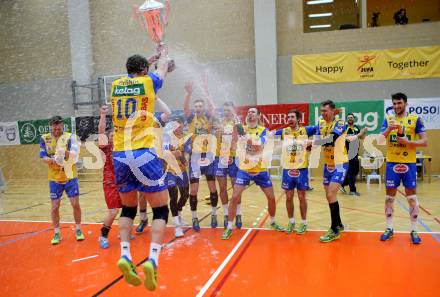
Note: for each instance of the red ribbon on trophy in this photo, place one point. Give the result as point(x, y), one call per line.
point(153, 16)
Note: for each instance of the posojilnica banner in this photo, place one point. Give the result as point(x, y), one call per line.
point(404, 63)
point(274, 116)
point(31, 131)
point(368, 114)
point(426, 108)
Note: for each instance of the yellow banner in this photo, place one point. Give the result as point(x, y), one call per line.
point(404, 63)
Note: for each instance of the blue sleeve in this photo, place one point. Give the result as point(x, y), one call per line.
point(157, 82)
point(263, 136)
point(43, 151)
point(311, 130)
point(420, 127)
point(190, 117)
point(339, 128)
point(187, 146)
point(384, 125)
point(279, 132)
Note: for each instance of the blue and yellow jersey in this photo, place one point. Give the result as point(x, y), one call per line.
point(227, 139)
point(49, 146)
point(133, 101)
point(335, 152)
point(199, 126)
point(401, 153)
point(294, 154)
point(258, 133)
point(183, 145)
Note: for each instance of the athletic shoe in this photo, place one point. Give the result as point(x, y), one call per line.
point(290, 228)
point(129, 271)
point(140, 228)
point(354, 193)
point(329, 236)
point(182, 222)
point(178, 232)
point(276, 227)
point(225, 221)
point(214, 223)
point(103, 242)
point(195, 223)
point(342, 189)
point(79, 235)
point(226, 234)
point(387, 234)
point(302, 229)
point(341, 228)
point(238, 222)
point(56, 238)
point(150, 271)
point(415, 237)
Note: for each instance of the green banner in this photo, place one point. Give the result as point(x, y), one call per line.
point(368, 114)
point(31, 131)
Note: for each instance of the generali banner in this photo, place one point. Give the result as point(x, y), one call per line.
point(274, 116)
point(403, 63)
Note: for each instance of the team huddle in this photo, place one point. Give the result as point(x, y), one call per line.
point(144, 162)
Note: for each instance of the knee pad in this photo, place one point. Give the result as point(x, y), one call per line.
point(128, 212)
point(161, 213)
point(193, 180)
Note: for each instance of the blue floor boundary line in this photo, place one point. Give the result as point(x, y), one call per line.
point(24, 236)
point(420, 221)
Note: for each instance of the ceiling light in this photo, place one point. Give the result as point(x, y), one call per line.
point(319, 2)
point(320, 26)
point(320, 15)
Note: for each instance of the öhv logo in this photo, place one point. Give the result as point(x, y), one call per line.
point(132, 90)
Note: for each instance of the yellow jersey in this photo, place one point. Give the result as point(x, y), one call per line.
point(133, 101)
point(401, 153)
point(248, 156)
point(200, 129)
point(49, 145)
point(227, 139)
point(335, 152)
point(294, 153)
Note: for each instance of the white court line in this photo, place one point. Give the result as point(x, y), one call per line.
point(85, 258)
point(220, 268)
point(244, 228)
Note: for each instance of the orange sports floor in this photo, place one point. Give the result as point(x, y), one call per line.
point(201, 264)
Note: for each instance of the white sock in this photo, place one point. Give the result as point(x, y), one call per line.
point(272, 220)
point(78, 227)
point(176, 221)
point(389, 211)
point(292, 220)
point(304, 222)
point(57, 230)
point(214, 211)
point(155, 252)
point(125, 249)
point(225, 209)
point(230, 225)
point(180, 214)
point(194, 214)
point(413, 212)
point(239, 209)
point(143, 215)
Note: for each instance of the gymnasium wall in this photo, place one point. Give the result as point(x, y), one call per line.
point(35, 66)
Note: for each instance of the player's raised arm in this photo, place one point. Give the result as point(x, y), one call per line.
point(186, 100)
point(162, 64)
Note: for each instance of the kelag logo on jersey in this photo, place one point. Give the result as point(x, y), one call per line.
point(400, 168)
point(133, 90)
